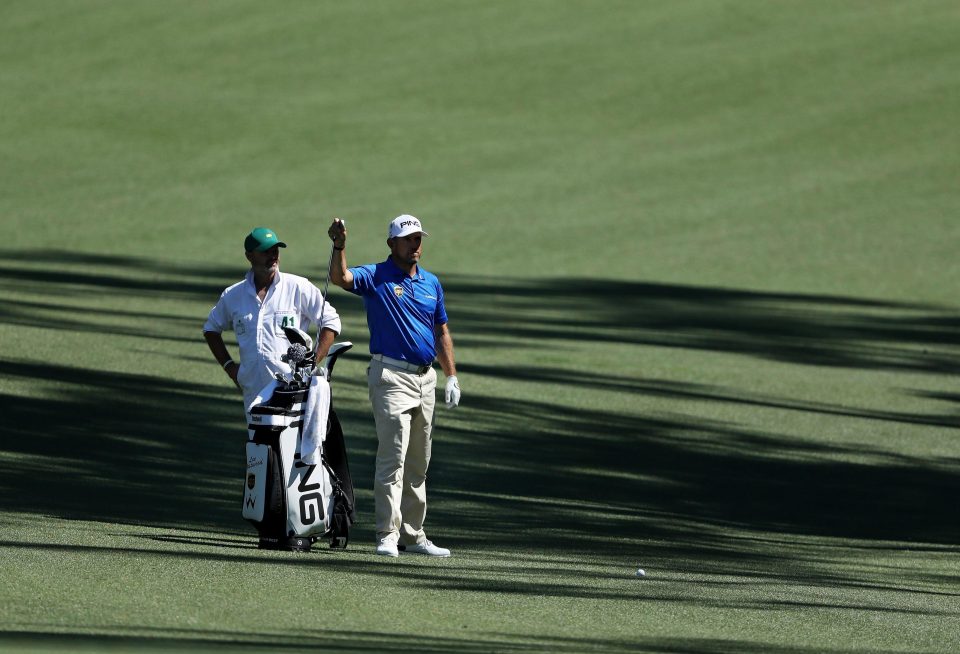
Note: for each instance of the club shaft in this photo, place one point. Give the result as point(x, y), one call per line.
point(326, 287)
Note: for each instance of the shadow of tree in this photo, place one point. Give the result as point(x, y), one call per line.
point(120, 447)
point(271, 640)
point(594, 475)
point(554, 376)
point(367, 641)
point(61, 272)
point(138, 449)
point(795, 328)
point(806, 329)
point(559, 581)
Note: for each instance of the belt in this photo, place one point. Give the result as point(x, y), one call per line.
point(402, 365)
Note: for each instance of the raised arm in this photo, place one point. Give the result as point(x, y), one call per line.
point(339, 274)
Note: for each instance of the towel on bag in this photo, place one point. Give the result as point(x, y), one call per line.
point(265, 394)
point(316, 411)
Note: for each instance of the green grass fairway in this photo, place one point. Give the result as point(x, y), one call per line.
point(700, 260)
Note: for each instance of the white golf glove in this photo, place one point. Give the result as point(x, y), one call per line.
point(451, 394)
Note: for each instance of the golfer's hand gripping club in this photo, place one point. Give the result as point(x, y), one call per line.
point(451, 393)
point(338, 233)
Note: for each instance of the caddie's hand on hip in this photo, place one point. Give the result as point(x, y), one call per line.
point(451, 393)
point(338, 233)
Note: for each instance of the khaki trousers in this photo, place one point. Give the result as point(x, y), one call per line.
point(403, 404)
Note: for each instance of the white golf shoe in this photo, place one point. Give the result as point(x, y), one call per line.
point(426, 547)
point(387, 547)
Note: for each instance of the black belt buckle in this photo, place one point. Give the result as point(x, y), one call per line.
point(422, 370)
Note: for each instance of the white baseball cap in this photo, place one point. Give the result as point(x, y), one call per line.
point(405, 225)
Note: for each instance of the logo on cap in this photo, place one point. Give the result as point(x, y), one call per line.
point(405, 225)
point(262, 239)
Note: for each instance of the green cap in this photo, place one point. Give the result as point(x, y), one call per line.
point(262, 239)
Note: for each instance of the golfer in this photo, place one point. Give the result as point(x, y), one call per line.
point(408, 330)
point(258, 308)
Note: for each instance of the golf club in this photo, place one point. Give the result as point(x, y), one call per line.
point(326, 287)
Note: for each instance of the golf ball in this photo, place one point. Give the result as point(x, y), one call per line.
point(641, 573)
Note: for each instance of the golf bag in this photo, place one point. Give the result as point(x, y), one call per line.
point(290, 503)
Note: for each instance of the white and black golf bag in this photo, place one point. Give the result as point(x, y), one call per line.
point(293, 504)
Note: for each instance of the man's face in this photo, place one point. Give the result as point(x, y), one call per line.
point(266, 262)
point(407, 248)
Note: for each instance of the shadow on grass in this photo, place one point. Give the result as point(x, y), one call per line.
point(135, 449)
point(60, 272)
point(366, 641)
point(524, 474)
point(805, 329)
point(593, 475)
point(556, 377)
point(557, 577)
point(267, 640)
point(819, 330)
point(120, 448)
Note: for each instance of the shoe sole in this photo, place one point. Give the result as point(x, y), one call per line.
point(436, 556)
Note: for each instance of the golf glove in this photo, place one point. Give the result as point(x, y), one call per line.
point(452, 393)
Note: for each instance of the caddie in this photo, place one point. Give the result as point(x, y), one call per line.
point(258, 308)
point(408, 330)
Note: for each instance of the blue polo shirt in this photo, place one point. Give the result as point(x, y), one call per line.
point(402, 311)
